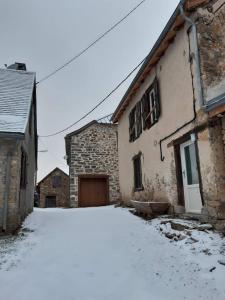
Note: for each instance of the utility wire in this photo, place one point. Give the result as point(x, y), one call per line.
point(96, 106)
point(90, 45)
point(50, 153)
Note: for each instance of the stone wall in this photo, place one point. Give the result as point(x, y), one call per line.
point(9, 186)
point(212, 167)
point(94, 151)
point(211, 23)
point(46, 189)
point(17, 202)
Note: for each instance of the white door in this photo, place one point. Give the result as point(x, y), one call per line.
point(193, 202)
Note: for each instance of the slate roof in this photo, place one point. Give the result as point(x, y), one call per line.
point(16, 89)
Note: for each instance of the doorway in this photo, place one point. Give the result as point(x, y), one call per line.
point(50, 201)
point(190, 175)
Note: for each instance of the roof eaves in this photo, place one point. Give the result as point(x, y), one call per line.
point(215, 102)
point(81, 129)
point(148, 58)
point(57, 168)
point(12, 135)
point(189, 6)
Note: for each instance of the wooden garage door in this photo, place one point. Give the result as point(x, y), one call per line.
point(93, 192)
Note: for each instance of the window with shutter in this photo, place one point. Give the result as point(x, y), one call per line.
point(151, 105)
point(137, 173)
point(56, 181)
point(145, 113)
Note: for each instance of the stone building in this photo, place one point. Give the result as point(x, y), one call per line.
point(93, 163)
point(53, 189)
point(18, 145)
point(171, 120)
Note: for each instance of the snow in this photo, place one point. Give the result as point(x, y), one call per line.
point(16, 88)
point(108, 253)
point(5, 118)
point(10, 122)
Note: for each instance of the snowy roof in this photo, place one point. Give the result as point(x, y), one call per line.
point(16, 89)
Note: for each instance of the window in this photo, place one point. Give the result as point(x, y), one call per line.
point(137, 173)
point(56, 181)
point(145, 113)
point(151, 106)
point(132, 123)
point(23, 170)
point(135, 122)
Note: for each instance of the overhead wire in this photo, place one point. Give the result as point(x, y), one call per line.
point(51, 153)
point(90, 45)
point(96, 106)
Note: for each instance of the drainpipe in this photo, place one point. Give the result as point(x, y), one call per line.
point(7, 190)
point(198, 78)
point(196, 56)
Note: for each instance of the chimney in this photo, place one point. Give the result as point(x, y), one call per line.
point(17, 66)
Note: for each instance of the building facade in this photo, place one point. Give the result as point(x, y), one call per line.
point(53, 190)
point(18, 145)
point(93, 162)
point(170, 131)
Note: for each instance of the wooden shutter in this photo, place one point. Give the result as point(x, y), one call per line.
point(138, 119)
point(157, 98)
point(145, 110)
point(132, 125)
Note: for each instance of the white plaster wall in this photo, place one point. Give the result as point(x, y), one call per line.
point(173, 72)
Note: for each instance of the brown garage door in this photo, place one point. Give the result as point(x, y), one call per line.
point(93, 191)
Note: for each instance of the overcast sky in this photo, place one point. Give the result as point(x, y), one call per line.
point(44, 34)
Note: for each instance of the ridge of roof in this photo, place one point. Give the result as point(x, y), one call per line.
point(18, 71)
point(77, 131)
point(55, 169)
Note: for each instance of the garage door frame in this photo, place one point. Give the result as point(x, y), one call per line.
point(87, 176)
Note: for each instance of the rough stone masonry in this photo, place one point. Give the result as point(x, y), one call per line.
point(94, 151)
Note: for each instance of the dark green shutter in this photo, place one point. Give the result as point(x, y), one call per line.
point(144, 103)
point(138, 119)
point(157, 98)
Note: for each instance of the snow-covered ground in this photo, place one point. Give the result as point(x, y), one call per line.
point(108, 254)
